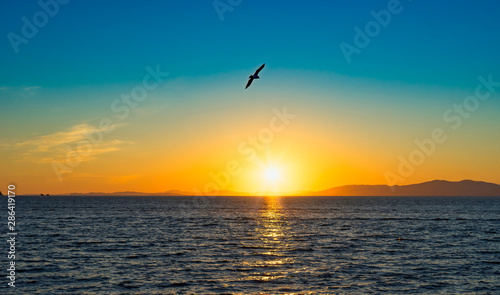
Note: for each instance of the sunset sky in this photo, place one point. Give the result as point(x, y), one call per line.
point(149, 96)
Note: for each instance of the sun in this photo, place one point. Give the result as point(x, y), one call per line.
point(272, 174)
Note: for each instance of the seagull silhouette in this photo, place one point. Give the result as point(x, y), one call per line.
point(254, 76)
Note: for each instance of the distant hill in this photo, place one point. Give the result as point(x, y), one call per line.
point(132, 193)
point(430, 188)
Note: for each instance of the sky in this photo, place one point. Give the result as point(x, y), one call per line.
point(149, 96)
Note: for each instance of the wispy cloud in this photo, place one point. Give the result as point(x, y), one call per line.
point(20, 89)
point(72, 135)
point(30, 89)
point(85, 139)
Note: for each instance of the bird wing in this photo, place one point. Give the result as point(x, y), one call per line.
point(258, 70)
point(249, 82)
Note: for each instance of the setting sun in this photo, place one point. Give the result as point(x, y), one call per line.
point(272, 175)
point(273, 180)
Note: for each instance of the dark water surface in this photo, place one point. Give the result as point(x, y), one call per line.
point(255, 245)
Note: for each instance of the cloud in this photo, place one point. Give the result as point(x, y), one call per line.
point(20, 89)
point(47, 142)
point(30, 89)
point(74, 134)
point(85, 140)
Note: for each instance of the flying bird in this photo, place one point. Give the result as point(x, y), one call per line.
point(254, 76)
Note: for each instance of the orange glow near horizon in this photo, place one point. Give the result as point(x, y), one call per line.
point(244, 143)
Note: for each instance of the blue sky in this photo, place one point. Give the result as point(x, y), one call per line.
point(424, 61)
point(91, 42)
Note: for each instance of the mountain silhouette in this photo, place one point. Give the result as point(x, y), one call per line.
point(430, 188)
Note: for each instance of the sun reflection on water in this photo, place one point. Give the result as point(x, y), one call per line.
point(270, 260)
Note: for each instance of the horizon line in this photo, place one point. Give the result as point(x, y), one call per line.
point(239, 193)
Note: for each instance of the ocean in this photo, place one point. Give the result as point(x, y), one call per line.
point(254, 245)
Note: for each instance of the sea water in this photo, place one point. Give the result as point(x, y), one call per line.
point(254, 245)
